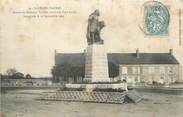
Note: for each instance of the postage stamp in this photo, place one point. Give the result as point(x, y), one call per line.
point(156, 18)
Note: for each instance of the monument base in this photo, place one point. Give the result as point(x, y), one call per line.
point(98, 93)
point(96, 64)
point(93, 86)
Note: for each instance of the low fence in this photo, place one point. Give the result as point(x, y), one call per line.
point(84, 96)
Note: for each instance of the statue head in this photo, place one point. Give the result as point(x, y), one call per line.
point(97, 12)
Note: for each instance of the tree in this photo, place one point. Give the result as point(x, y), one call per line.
point(11, 71)
point(77, 71)
point(113, 70)
point(53, 72)
point(62, 70)
point(67, 70)
point(17, 75)
point(28, 76)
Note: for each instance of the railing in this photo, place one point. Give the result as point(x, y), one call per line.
point(84, 96)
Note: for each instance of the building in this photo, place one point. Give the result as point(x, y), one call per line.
point(136, 67)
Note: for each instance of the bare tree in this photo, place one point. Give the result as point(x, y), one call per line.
point(11, 71)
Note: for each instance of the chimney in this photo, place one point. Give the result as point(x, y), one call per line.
point(171, 51)
point(137, 53)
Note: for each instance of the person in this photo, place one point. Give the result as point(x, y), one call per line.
point(92, 28)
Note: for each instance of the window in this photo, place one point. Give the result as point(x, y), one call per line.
point(151, 70)
point(124, 70)
point(162, 70)
point(156, 70)
point(170, 69)
point(145, 70)
point(136, 79)
point(136, 70)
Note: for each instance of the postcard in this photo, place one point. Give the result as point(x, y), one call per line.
point(99, 58)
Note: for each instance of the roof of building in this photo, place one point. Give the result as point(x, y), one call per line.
point(144, 58)
point(119, 58)
point(71, 58)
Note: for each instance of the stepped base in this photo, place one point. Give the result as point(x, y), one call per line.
point(91, 87)
point(83, 96)
point(98, 93)
point(96, 80)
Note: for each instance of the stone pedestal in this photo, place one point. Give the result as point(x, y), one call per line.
point(96, 64)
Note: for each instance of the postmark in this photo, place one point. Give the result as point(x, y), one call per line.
point(156, 18)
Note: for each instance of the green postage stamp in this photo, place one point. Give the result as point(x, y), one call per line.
point(156, 18)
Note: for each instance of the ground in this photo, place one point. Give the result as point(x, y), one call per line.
point(23, 104)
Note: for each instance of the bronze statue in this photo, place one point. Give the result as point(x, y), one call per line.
point(94, 28)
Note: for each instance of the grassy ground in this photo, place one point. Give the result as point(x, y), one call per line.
point(23, 104)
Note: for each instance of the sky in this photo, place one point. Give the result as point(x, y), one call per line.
point(28, 44)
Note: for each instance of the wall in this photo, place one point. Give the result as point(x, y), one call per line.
point(161, 73)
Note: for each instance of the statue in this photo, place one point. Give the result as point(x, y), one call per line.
point(94, 28)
